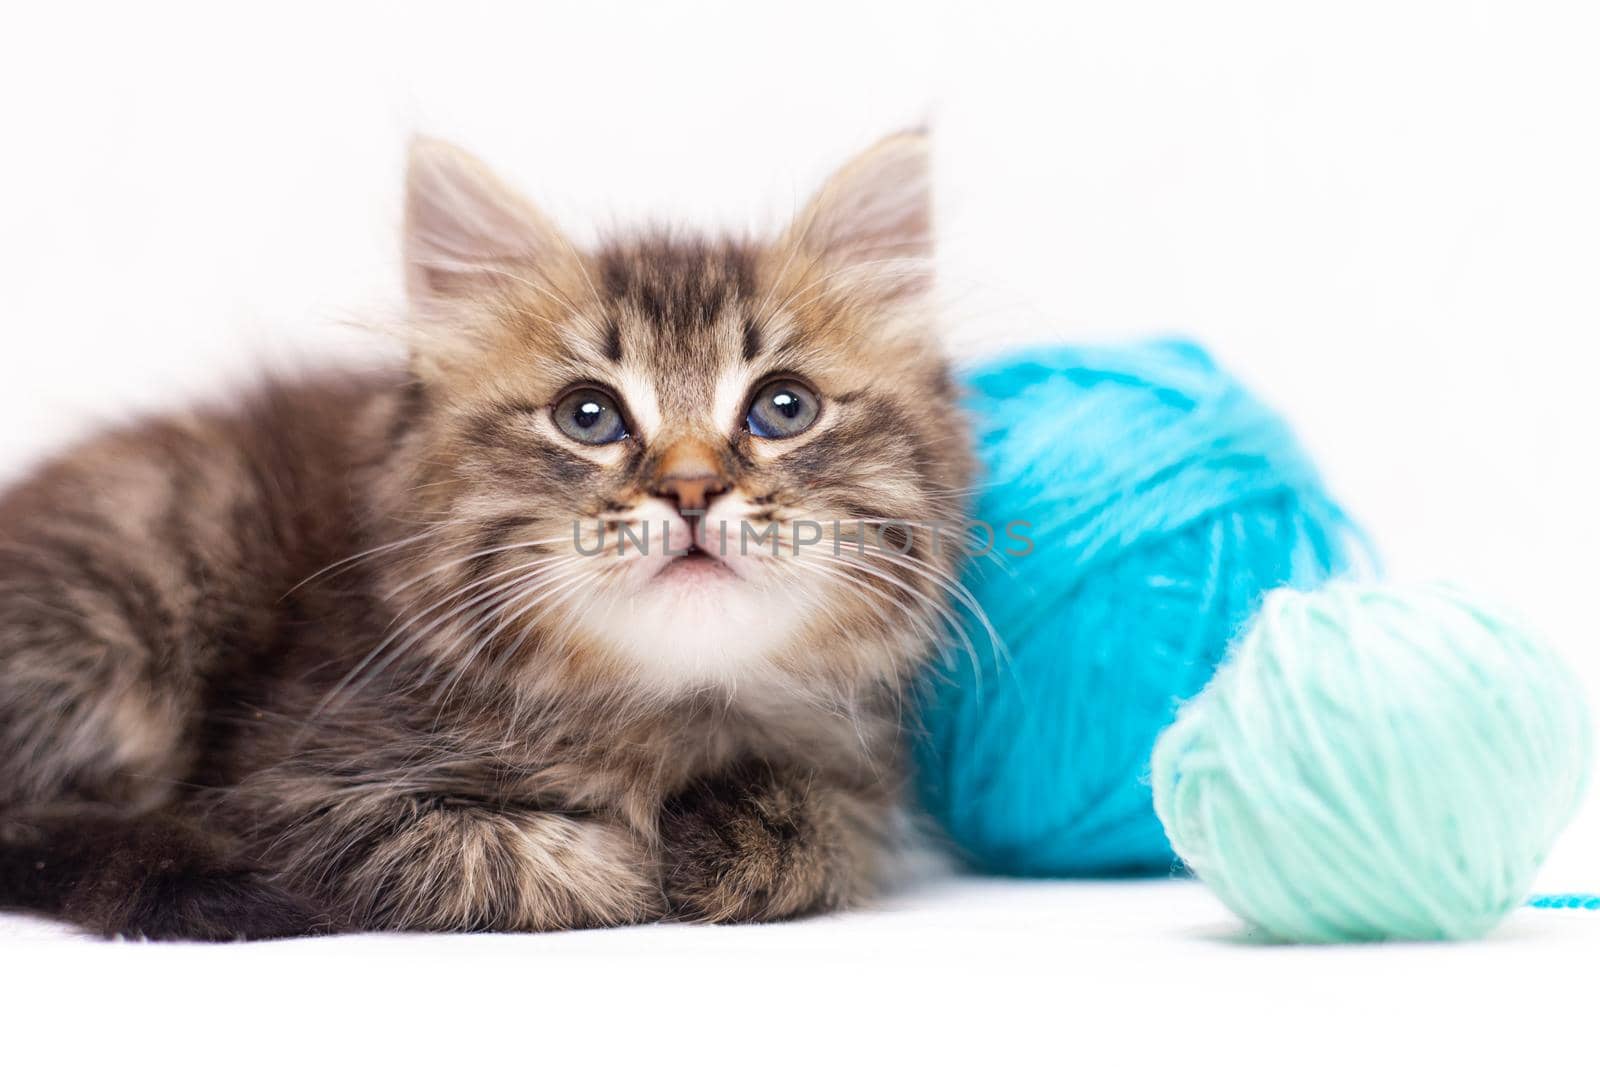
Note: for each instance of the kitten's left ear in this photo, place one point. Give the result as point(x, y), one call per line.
point(877, 208)
point(465, 229)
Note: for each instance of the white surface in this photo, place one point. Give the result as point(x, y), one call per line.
point(1383, 215)
point(976, 971)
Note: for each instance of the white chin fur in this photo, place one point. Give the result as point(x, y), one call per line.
point(688, 632)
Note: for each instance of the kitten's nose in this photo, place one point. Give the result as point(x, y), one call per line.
point(692, 494)
point(688, 475)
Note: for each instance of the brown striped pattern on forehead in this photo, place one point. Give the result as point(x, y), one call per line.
point(682, 312)
point(678, 285)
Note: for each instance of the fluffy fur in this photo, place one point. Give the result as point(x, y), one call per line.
point(331, 658)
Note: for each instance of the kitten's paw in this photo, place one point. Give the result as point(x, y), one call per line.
point(217, 906)
point(468, 867)
point(752, 846)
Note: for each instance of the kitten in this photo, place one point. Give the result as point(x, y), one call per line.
point(395, 650)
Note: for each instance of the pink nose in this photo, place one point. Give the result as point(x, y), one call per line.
point(691, 493)
point(688, 475)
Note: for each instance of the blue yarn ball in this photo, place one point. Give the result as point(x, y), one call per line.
point(1164, 501)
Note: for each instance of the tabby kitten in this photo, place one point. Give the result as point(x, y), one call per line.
point(534, 632)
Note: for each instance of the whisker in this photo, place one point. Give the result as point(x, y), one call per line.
point(448, 564)
point(547, 585)
point(933, 637)
point(962, 596)
point(568, 583)
point(945, 615)
point(851, 579)
point(348, 560)
point(416, 617)
point(991, 555)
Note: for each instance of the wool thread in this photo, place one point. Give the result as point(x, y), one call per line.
point(1376, 762)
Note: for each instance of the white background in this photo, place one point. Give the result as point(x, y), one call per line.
point(1386, 217)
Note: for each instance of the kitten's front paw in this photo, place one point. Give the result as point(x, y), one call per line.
point(752, 846)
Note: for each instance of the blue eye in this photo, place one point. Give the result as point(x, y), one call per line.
point(782, 409)
point(590, 417)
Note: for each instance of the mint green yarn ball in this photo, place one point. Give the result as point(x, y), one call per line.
point(1375, 762)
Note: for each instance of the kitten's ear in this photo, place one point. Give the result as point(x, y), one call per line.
point(875, 208)
point(464, 228)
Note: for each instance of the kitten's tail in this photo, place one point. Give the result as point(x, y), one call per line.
point(156, 876)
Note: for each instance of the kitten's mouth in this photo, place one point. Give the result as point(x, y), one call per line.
point(696, 564)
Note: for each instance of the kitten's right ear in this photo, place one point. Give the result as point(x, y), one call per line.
point(465, 230)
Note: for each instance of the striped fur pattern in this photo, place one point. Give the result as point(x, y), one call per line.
point(343, 655)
